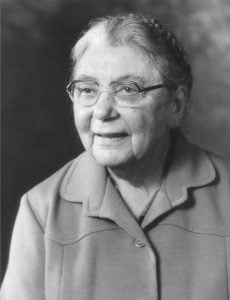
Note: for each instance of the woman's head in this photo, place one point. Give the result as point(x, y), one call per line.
point(112, 56)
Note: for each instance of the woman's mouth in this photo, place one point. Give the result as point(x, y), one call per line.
point(110, 139)
point(112, 135)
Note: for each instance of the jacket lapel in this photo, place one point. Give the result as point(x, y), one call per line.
point(87, 182)
point(188, 167)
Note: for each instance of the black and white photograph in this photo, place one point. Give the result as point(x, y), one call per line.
point(115, 150)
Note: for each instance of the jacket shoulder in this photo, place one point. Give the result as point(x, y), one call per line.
point(214, 205)
point(45, 195)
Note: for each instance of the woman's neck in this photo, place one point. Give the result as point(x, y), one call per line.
point(143, 173)
point(139, 183)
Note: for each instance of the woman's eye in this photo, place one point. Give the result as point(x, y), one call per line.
point(128, 90)
point(86, 91)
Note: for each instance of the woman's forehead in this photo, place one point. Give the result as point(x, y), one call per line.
point(103, 60)
point(96, 47)
point(95, 36)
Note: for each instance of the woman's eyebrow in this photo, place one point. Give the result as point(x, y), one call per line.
point(131, 77)
point(86, 78)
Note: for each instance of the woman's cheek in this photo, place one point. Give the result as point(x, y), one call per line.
point(82, 123)
point(139, 140)
point(139, 145)
point(86, 138)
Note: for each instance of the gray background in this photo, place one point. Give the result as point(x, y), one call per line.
point(38, 134)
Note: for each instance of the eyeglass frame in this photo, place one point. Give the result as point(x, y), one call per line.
point(140, 90)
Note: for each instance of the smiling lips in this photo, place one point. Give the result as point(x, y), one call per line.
point(112, 139)
point(112, 135)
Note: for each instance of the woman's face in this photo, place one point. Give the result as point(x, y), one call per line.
point(117, 136)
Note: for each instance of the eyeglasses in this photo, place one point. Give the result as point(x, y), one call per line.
point(126, 94)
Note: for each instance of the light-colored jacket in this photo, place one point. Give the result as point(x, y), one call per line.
point(74, 238)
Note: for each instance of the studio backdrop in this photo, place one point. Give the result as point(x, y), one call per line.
point(38, 134)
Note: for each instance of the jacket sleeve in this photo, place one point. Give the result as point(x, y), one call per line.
point(24, 278)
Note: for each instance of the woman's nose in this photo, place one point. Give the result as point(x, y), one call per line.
point(104, 107)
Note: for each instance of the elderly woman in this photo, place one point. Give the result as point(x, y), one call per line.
point(141, 214)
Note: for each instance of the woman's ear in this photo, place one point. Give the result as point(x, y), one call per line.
point(178, 106)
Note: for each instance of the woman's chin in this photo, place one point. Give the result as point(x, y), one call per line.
point(111, 158)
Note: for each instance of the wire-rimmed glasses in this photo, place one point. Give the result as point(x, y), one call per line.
point(126, 94)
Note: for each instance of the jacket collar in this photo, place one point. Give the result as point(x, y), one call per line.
point(188, 167)
point(85, 180)
point(88, 182)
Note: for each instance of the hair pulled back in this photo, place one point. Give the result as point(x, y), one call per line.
point(148, 34)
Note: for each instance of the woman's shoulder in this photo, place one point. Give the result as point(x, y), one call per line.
point(45, 195)
point(52, 183)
